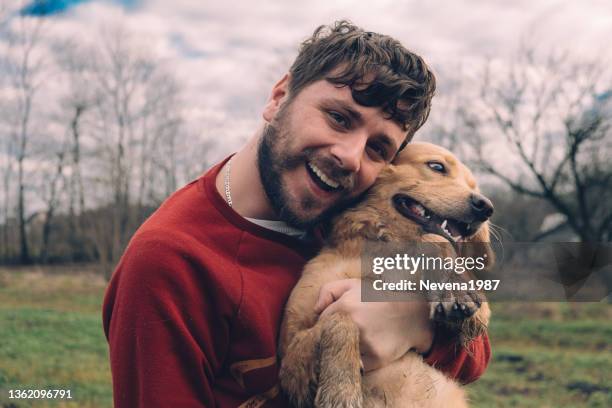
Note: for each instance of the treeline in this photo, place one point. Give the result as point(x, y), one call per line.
point(84, 238)
point(88, 237)
point(93, 137)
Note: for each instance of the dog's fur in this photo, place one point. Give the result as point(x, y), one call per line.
point(321, 363)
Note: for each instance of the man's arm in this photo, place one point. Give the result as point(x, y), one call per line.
point(464, 365)
point(159, 322)
point(388, 329)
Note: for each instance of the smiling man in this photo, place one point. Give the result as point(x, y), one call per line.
point(192, 313)
point(319, 151)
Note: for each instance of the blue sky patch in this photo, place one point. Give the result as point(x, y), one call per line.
point(50, 7)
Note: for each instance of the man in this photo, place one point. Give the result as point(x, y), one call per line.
point(193, 310)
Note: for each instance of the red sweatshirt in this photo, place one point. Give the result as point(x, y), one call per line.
point(193, 310)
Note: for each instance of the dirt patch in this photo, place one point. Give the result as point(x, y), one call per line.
point(507, 391)
point(587, 388)
point(536, 377)
point(511, 358)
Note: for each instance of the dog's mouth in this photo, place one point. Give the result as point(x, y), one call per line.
point(451, 229)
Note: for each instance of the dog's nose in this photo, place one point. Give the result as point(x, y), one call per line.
point(482, 207)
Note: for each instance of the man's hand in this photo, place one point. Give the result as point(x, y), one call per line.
point(387, 330)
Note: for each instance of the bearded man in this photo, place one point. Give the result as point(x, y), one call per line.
point(193, 310)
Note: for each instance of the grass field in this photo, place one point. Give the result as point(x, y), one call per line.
point(51, 337)
point(545, 355)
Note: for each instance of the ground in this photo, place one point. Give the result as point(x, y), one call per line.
point(545, 355)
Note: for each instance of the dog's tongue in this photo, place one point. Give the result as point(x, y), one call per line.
point(417, 209)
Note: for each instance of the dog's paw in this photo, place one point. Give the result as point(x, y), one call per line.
point(455, 307)
point(460, 312)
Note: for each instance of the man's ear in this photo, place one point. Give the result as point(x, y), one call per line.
point(279, 94)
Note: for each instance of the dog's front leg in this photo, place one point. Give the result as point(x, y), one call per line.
point(299, 369)
point(339, 364)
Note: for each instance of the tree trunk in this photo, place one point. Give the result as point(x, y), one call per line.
point(24, 251)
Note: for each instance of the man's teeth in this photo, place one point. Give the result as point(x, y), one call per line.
point(323, 177)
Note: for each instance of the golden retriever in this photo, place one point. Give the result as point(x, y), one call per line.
point(428, 195)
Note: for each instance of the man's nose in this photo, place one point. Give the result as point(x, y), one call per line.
point(349, 152)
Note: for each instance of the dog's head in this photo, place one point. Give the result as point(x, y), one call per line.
point(426, 191)
point(429, 186)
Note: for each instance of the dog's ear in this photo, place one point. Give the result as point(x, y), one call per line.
point(479, 245)
point(388, 175)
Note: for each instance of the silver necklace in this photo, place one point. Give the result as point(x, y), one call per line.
point(226, 182)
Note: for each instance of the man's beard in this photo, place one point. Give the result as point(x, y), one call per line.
point(272, 162)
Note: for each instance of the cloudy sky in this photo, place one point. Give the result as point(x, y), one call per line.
point(228, 54)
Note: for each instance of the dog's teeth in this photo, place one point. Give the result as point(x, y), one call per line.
point(420, 210)
point(443, 225)
point(457, 238)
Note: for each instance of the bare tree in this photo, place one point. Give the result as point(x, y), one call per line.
point(123, 147)
point(122, 74)
point(7, 170)
point(50, 190)
point(161, 125)
point(542, 126)
point(25, 69)
point(7, 145)
point(130, 122)
point(7, 162)
point(79, 99)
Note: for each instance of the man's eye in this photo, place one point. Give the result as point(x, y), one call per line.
point(339, 119)
point(437, 167)
point(379, 151)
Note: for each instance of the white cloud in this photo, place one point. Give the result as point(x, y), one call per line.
point(229, 54)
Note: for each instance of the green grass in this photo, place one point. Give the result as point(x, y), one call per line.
point(544, 355)
point(548, 355)
point(52, 338)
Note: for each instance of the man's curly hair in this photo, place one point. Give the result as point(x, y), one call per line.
point(377, 68)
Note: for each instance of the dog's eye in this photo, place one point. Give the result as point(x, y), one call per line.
point(437, 166)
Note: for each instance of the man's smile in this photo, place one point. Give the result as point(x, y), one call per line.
point(322, 180)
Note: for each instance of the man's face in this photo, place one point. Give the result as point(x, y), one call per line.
point(322, 150)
